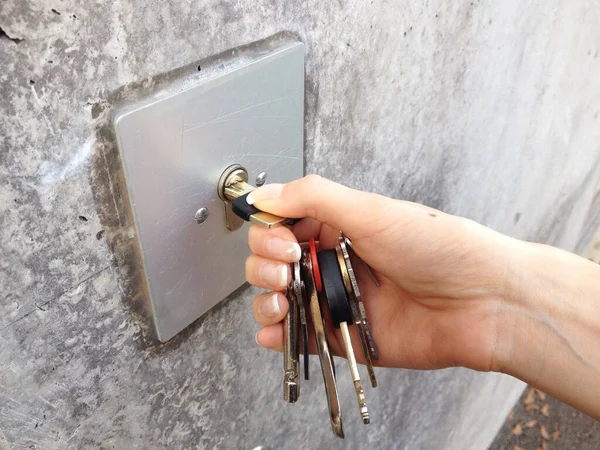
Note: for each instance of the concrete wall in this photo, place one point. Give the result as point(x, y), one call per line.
point(485, 109)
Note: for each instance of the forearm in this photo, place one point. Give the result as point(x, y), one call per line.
point(549, 332)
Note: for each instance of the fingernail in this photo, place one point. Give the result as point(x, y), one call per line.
point(274, 274)
point(256, 338)
point(281, 249)
point(266, 192)
point(269, 307)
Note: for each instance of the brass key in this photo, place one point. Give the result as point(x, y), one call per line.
point(233, 188)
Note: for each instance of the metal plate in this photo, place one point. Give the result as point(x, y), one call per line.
point(174, 148)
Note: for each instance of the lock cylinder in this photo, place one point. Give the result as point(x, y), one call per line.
point(233, 189)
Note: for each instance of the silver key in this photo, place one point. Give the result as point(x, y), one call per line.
point(327, 365)
point(291, 365)
point(355, 296)
point(298, 285)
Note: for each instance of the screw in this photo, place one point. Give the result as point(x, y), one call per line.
point(201, 215)
point(261, 178)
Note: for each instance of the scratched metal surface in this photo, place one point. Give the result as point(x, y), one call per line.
point(490, 111)
point(174, 150)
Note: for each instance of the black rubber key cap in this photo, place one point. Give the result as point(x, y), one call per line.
point(241, 207)
point(333, 286)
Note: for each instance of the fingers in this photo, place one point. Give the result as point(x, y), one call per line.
point(270, 308)
point(278, 244)
point(307, 228)
point(266, 273)
point(325, 234)
point(271, 337)
point(328, 202)
point(281, 244)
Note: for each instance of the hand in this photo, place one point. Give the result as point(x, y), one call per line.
point(453, 293)
point(442, 277)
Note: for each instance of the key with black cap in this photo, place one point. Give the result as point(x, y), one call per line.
point(339, 307)
point(237, 193)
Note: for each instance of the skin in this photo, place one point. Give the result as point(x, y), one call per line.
point(453, 292)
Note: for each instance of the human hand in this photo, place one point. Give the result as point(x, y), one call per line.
point(442, 278)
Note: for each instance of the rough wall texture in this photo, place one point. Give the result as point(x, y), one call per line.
point(491, 111)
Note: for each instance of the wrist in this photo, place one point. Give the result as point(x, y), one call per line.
point(549, 323)
point(529, 293)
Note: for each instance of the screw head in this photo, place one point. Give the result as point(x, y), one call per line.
point(201, 215)
point(261, 179)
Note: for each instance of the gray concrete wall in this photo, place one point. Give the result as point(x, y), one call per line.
point(485, 109)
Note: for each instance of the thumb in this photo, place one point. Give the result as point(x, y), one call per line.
point(354, 212)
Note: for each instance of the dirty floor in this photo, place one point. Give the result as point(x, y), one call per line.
point(539, 421)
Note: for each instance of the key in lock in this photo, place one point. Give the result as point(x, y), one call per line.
point(233, 189)
point(325, 275)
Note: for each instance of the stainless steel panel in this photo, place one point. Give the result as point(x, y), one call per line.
point(175, 147)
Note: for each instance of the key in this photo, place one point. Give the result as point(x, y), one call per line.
point(357, 318)
point(251, 213)
point(326, 275)
point(358, 310)
point(291, 377)
point(366, 266)
point(233, 189)
point(238, 192)
point(339, 306)
point(300, 294)
point(327, 365)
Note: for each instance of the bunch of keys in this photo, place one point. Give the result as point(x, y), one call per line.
point(320, 278)
point(327, 277)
